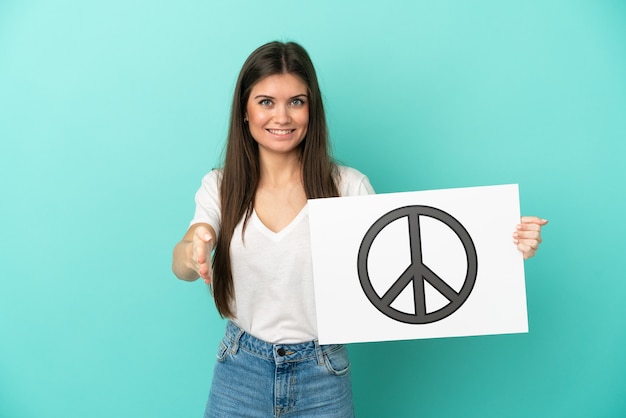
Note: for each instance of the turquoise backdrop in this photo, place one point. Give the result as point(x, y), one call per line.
point(111, 112)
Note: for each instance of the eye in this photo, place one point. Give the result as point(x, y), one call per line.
point(265, 102)
point(297, 102)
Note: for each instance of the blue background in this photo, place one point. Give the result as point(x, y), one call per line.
point(111, 112)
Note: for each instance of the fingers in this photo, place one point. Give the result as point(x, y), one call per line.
point(527, 250)
point(534, 220)
point(527, 235)
point(205, 271)
point(202, 245)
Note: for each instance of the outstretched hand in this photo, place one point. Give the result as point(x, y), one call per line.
point(527, 235)
point(201, 247)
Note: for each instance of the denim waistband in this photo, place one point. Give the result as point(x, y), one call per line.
point(280, 353)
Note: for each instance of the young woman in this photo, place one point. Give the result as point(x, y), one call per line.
point(253, 214)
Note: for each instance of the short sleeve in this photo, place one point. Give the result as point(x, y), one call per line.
point(353, 183)
point(208, 206)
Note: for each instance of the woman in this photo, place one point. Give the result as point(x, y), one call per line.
point(253, 214)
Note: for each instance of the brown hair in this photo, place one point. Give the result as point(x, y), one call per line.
point(240, 175)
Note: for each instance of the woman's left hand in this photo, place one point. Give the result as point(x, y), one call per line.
point(527, 236)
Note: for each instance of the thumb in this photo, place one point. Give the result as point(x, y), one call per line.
point(203, 234)
point(208, 241)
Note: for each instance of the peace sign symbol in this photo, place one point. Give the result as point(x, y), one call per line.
point(417, 272)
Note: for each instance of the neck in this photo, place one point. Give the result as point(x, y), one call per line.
point(280, 169)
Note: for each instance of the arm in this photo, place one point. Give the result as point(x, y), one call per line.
point(527, 236)
point(192, 255)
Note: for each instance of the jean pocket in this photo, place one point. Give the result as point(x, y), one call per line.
point(222, 351)
point(337, 361)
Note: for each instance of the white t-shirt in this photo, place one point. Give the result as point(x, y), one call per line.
point(272, 271)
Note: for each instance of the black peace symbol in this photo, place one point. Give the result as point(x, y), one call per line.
point(417, 272)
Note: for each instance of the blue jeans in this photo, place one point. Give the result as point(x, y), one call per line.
point(253, 378)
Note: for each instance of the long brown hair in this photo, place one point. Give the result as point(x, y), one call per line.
point(241, 172)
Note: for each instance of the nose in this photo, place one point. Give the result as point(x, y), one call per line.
point(282, 115)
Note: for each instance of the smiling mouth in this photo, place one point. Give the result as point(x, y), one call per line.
point(280, 131)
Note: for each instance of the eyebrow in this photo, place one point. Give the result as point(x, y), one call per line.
point(265, 96)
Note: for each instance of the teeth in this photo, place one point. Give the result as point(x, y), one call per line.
point(280, 131)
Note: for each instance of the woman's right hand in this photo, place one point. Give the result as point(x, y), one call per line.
point(192, 255)
point(201, 247)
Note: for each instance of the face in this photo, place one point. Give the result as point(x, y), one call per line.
point(278, 113)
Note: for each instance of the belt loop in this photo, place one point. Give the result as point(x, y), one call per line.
point(235, 346)
point(319, 353)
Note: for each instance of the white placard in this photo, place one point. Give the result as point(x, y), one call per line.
point(427, 264)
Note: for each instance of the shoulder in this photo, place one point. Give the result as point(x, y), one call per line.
point(349, 174)
point(212, 178)
point(209, 187)
point(213, 175)
point(352, 182)
point(208, 201)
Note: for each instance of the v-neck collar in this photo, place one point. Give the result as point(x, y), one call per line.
point(277, 236)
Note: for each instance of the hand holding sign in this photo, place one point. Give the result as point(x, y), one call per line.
point(527, 236)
